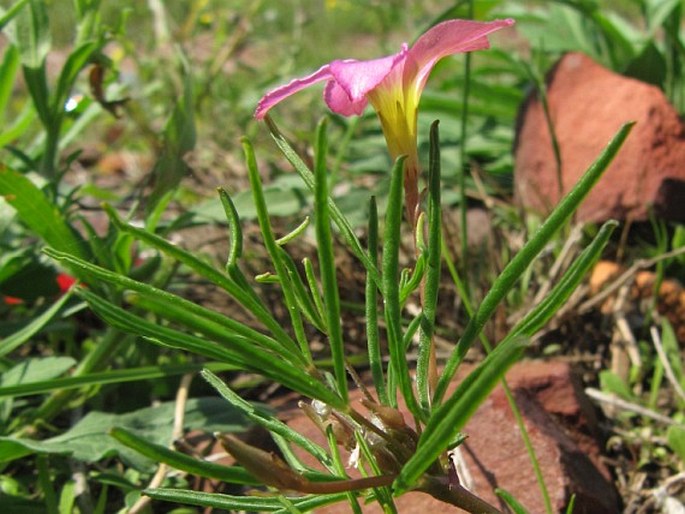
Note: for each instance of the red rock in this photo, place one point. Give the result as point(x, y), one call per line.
point(587, 105)
point(561, 426)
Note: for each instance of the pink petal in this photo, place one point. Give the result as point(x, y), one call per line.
point(273, 97)
point(357, 78)
point(340, 102)
point(451, 37)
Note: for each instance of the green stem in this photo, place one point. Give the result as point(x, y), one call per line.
point(462, 154)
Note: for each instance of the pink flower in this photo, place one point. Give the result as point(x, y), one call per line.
point(393, 85)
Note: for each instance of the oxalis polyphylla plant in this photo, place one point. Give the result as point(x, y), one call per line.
point(391, 453)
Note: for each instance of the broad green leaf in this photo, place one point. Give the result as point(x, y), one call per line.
point(30, 370)
point(36, 211)
point(88, 440)
point(35, 369)
point(610, 382)
point(676, 440)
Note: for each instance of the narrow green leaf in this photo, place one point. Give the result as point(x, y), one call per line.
point(235, 250)
point(511, 502)
point(241, 503)
point(450, 417)
point(113, 376)
point(8, 72)
point(314, 292)
point(431, 282)
point(329, 282)
point(544, 311)
point(527, 254)
point(242, 352)
point(302, 295)
point(335, 213)
point(74, 64)
point(248, 301)
point(176, 308)
point(179, 139)
point(390, 271)
point(293, 234)
point(36, 211)
point(181, 461)
point(273, 249)
point(46, 485)
point(371, 311)
point(676, 440)
point(266, 420)
point(8, 15)
point(30, 32)
point(20, 125)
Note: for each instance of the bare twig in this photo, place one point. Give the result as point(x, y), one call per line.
point(177, 433)
point(615, 401)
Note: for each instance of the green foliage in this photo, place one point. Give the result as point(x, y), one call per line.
point(75, 390)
